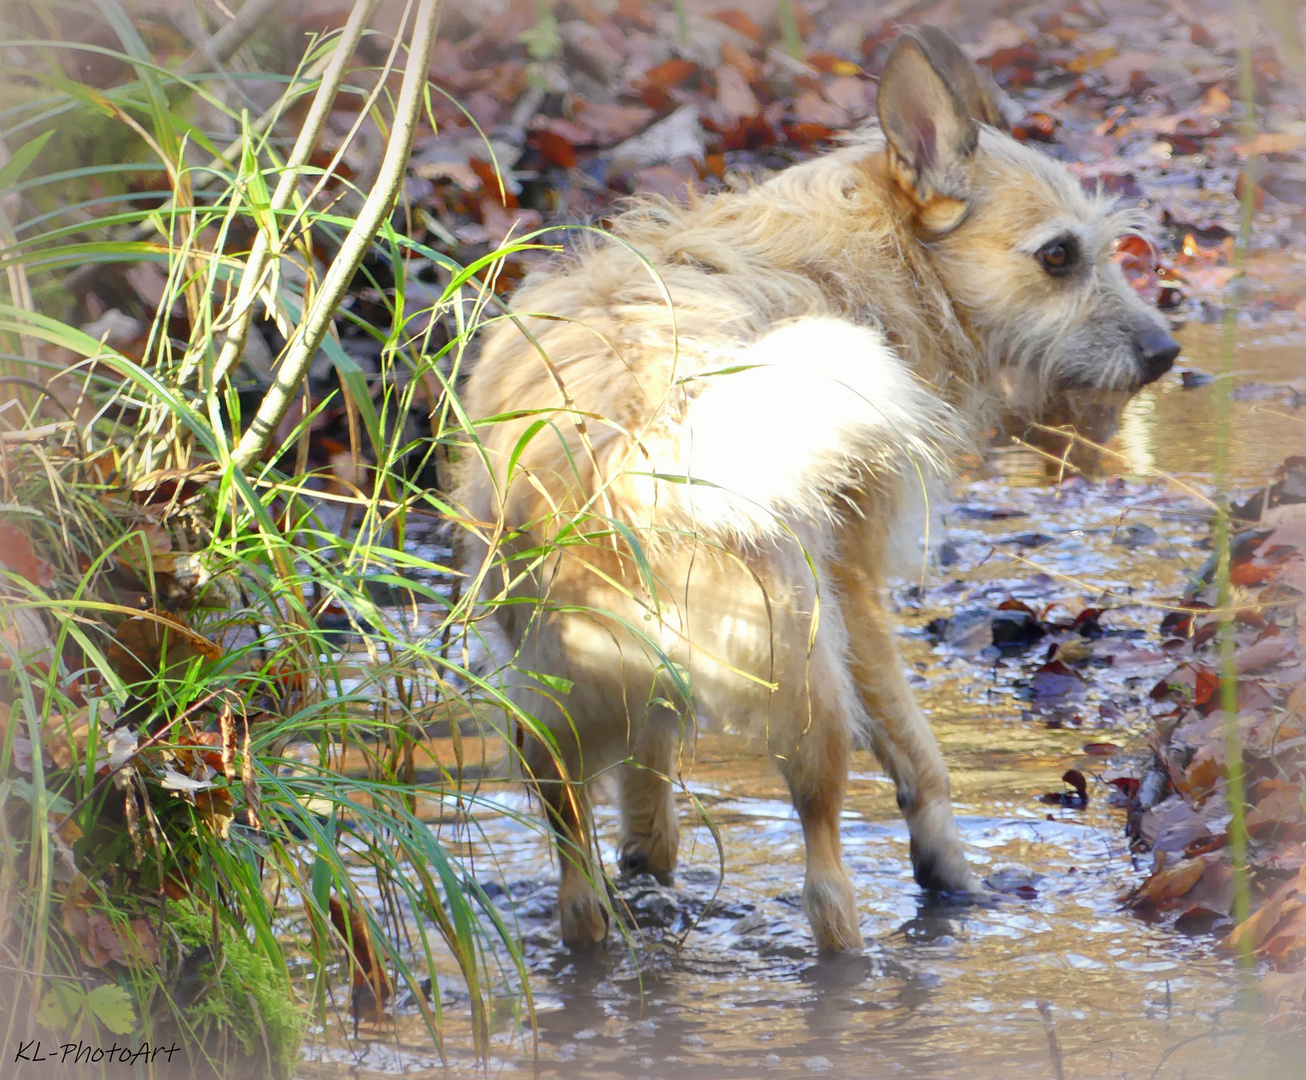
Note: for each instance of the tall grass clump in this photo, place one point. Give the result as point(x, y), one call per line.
point(219, 650)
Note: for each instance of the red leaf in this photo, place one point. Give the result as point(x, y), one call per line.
point(674, 72)
point(1208, 682)
point(740, 22)
point(805, 135)
point(555, 149)
point(1035, 127)
point(1128, 784)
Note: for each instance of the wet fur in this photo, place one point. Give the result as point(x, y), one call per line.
point(745, 400)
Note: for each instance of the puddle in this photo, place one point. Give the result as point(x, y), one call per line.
point(721, 980)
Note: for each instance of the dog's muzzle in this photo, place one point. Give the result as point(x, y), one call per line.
point(1156, 351)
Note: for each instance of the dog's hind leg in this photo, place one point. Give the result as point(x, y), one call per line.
point(816, 770)
point(567, 807)
point(650, 827)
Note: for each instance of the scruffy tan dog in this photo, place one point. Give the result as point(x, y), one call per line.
point(696, 443)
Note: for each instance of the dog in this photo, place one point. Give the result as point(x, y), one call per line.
point(699, 441)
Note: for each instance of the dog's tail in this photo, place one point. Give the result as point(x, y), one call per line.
point(805, 415)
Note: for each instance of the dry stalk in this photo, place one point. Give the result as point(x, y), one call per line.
point(242, 309)
point(380, 200)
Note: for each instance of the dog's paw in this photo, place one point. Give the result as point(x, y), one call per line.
point(635, 858)
point(831, 907)
point(944, 869)
point(584, 919)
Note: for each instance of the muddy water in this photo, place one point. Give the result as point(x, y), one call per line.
point(719, 978)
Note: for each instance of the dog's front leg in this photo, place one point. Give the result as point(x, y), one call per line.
point(584, 919)
point(900, 735)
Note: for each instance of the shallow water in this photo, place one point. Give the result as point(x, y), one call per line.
point(720, 979)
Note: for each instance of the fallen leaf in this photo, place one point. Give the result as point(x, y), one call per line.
point(1081, 64)
point(556, 150)
point(733, 55)
point(1272, 142)
point(740, 22)
point(674, 72)
point(143, 643)
point(1168, 884)
point(1055, 681)
point(173, 780)
point(676, 136)
point(102, 941)
point(16, 554)
point(1254, 929)
point(809, 107)
point(611, 123)
point(735, 100)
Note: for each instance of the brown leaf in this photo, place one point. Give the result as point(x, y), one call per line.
point(64, 738)
point(16, 554)
point(1264, 654)
point(1168, 884)
point(571, 131)
point(740, 23)
point(1254, 929)
point(810, 108)
point(500, 222)
point(216, 809)
point(67, 829)
point(1287, 939)
point(674, 72)
point(805, 135)
point(612, 123)
point(733, 55)
point(142, 643)
point(1099, 749)
point(830, 64)
point(1035, 127)
point(1282, 802)
point(1199, 779)
point(735, 100)
point(102, 941)
point(147, 549)
point(371, 982)
point(849, 93)
point(1272, 142)
point(555, 149)
point(1081, 64)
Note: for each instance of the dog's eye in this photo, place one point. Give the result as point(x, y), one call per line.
point(1058, 256)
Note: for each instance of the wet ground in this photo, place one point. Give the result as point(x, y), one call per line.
point(720, 979)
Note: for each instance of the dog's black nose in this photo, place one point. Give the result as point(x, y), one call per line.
point(1156, 352)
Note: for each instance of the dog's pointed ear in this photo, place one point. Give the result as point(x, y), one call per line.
point(980, 94)
point(931, 131)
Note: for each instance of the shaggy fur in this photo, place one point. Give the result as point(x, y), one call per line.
point(696, 440)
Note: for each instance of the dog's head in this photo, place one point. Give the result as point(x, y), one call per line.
point(1022, 249)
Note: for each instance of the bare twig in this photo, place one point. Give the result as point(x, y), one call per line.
point(317, 319)
point(78, 279)
point(222, 45)
point(242, 309)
